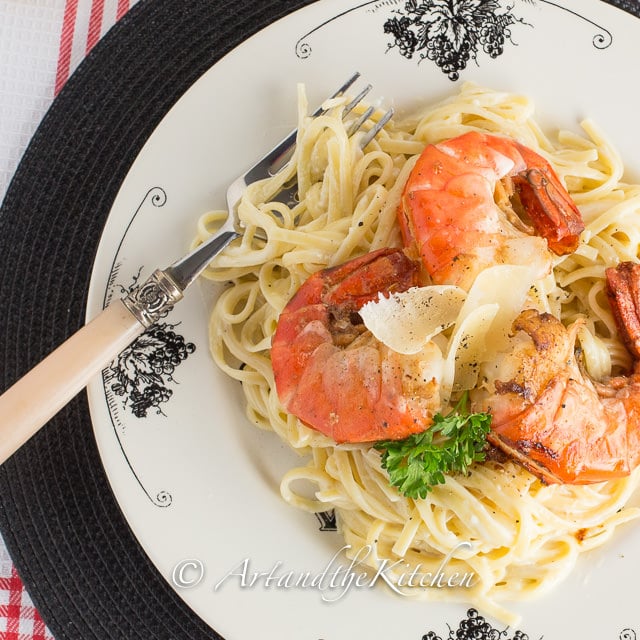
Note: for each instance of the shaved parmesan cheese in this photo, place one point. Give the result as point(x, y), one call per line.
point(483, 327)
point(506, 285)
point(468, 347)
point(406, 321)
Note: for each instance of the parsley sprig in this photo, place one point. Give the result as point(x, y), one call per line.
point(450, 445)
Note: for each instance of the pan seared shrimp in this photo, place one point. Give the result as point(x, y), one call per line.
point(457, 210)
point(334, 375)
point(546, 411)
point(479, 200)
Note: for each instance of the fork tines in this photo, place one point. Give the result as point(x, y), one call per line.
point(377, 127)
point(274, 161)
point(357, 124)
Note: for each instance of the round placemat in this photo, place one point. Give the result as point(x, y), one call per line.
point(79, 560)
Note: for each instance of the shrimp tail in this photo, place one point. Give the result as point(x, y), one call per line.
point(551, 210)
point(361, 280)
point(623, 292)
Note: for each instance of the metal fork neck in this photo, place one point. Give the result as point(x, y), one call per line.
point(185, 271)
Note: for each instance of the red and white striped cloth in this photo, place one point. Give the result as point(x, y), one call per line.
point(41, 44)
point(83, 24)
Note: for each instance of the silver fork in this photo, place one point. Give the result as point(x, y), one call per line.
point(276, 159)
point(186, 270)
point(40, 394)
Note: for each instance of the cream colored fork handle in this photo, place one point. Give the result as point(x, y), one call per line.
point(43, 391)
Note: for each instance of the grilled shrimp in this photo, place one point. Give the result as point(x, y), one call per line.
point(330, 371)
point(334, 375)
point(479, 200)
point(549, 414)
point(470, 203)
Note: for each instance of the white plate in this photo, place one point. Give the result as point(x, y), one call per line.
point(196, 481)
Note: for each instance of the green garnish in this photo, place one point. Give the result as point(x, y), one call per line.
point(450, 445)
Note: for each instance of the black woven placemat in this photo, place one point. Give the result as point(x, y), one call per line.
point(72, 547)
point(78, 558)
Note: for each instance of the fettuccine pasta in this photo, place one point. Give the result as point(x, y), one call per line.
point(523, 537)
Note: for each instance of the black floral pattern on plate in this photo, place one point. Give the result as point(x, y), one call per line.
point(476, 627)
point(144, 370)
point(451, 32)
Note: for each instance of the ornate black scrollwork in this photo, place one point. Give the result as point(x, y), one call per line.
point(163, 499)
point(601, 40)
point(450, 34)
point(140, 378)
point(327, 520)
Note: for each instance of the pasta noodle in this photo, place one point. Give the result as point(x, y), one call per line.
point(524, 537)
